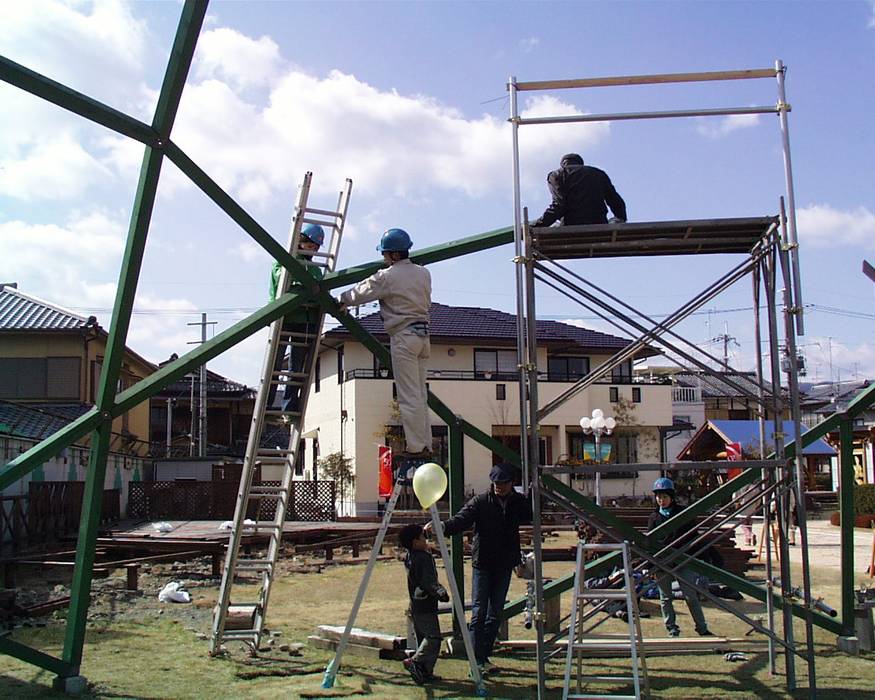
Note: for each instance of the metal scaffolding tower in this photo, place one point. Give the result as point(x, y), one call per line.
point(770, 249)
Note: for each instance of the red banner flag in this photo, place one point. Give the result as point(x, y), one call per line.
point(733, 454)
point(385, 483)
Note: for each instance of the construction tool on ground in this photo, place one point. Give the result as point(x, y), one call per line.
point(289, 361)
point(580, 638)
point(404, 477)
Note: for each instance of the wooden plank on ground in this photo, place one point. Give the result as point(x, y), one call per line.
point(356, 649)
point(363, 637)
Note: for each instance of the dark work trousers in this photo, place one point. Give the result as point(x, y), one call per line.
point(428, 634)
point(488, 593)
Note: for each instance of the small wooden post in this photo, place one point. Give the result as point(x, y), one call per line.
point(133, 571)
point(329, 553)
point(216, 565)
point(355, 550)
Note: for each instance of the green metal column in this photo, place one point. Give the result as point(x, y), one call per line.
point(846, 508)
point(457, 500)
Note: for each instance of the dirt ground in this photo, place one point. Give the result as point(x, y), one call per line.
point(141, 648)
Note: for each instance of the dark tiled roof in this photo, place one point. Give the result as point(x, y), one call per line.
point(819, 397)
point(20, 311)
point(475, 323)
point(38, 422)
point(714, 385)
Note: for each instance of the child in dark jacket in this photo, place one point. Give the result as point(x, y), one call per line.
point(425, 592)
point(667, 507)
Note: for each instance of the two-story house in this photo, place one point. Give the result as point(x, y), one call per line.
point(473, 369)
point(50, 363)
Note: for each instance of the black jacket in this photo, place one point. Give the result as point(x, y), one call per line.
point(687, 533)
point(496, 524)
point(580, 193)
point(422, 582)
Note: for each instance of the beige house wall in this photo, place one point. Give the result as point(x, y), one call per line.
point(352, 415)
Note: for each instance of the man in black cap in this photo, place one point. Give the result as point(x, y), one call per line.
point(581, 195)
point(496, 517)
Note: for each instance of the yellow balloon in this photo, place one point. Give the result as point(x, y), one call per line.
point(429, 484)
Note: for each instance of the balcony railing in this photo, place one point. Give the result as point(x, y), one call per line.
point(686, 394)
point(471, 375)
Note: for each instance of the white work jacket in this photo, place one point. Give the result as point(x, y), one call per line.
point(403, 290)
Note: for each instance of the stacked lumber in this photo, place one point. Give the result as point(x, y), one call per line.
point(374, 645)
point(618, 645)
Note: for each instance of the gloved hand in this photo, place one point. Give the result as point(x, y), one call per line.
point(442, 595)
point(616, 220)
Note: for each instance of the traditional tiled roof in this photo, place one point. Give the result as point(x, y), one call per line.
point(827, 397)
point(23, 312)
point(479, 324)
point(37, 422)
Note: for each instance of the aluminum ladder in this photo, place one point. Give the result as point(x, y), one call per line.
point(294, 336)
point(601, 598)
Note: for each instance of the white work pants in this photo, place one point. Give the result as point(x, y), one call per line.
point(410, 353)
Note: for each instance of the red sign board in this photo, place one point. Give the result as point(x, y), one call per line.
point(385, 460)
point(733, 454)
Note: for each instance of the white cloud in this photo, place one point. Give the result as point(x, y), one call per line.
point(227, 54)
point(872, 18)
point(846, 360)
point(822, 225)
point(529, 44)
point(727, 125)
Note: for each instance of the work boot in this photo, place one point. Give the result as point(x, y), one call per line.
point(705, 632)
point(417, 673)
point(674, 632)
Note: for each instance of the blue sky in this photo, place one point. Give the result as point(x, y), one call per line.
point(408, 99)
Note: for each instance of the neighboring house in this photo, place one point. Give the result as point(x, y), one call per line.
point(821, 400)
point(229, 415)
point(50, 363)
point(713, 439)
point(473, 369)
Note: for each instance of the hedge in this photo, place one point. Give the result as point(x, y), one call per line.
point(864, 499)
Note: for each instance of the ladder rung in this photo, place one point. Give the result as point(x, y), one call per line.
point(286, 382)
point(280, 412)
point(240, 634)
point(262, 525)
point(274, 453)
point(289, 373)
point(267, 490)
point(590, 696)
point(254, 565)
point(613, 679)
point(603, 594)
point(324, 212)
point(297, 334)
point(319, 222)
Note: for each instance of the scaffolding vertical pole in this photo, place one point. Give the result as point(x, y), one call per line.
point(799, 481)
point(767, 475)
point(202, 397)
point(792, 238)
point(520, 282)
point(530, 447)
point(846, 510)
point(781, 512)
point(456, 441)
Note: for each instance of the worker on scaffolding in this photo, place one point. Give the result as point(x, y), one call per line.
point(404, 292)
point(581, 195)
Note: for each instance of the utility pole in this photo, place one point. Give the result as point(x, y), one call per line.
point(202, 392)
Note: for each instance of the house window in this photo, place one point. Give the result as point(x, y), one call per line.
point(739, 414)
point(39, 378)
point(500, 363)
point(614, 394)
point(340, 365)
point(622, 373)
point(636, 394)
point(500, 392)
point(317, 380)
point(561, 368)
point(626, 448)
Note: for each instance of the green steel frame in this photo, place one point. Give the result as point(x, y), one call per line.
point(109, 404)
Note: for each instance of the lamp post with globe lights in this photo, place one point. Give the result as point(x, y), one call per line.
point(598, 425)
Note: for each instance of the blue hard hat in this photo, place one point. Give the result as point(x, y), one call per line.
point(314, 232)
point(663, 483)
point(395, 240)
point(503, 472)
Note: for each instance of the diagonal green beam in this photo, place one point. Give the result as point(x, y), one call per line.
point(240, 216)
point(67, 98)
point(26, 462)
point(33, 656)
point(205, 352)
point(425, 256)
point(187, 32)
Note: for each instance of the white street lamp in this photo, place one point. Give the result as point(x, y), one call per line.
point(598, 425)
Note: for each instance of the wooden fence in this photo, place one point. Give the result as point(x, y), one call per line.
point(216, 500)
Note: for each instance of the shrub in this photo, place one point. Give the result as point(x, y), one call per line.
point(864, 499)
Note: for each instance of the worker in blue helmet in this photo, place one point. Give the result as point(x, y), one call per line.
point(666, 508)
point(302, 321)
point(404, 292)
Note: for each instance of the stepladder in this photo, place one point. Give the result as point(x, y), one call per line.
point(592, 605)
point(403, 479)
point(272, 448)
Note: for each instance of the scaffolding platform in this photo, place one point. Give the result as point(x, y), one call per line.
point(690, 237)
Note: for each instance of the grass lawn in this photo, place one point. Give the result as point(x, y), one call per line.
point(155, 654)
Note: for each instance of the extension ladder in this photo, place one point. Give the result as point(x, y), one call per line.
point(600, 598)
point(289, 360)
